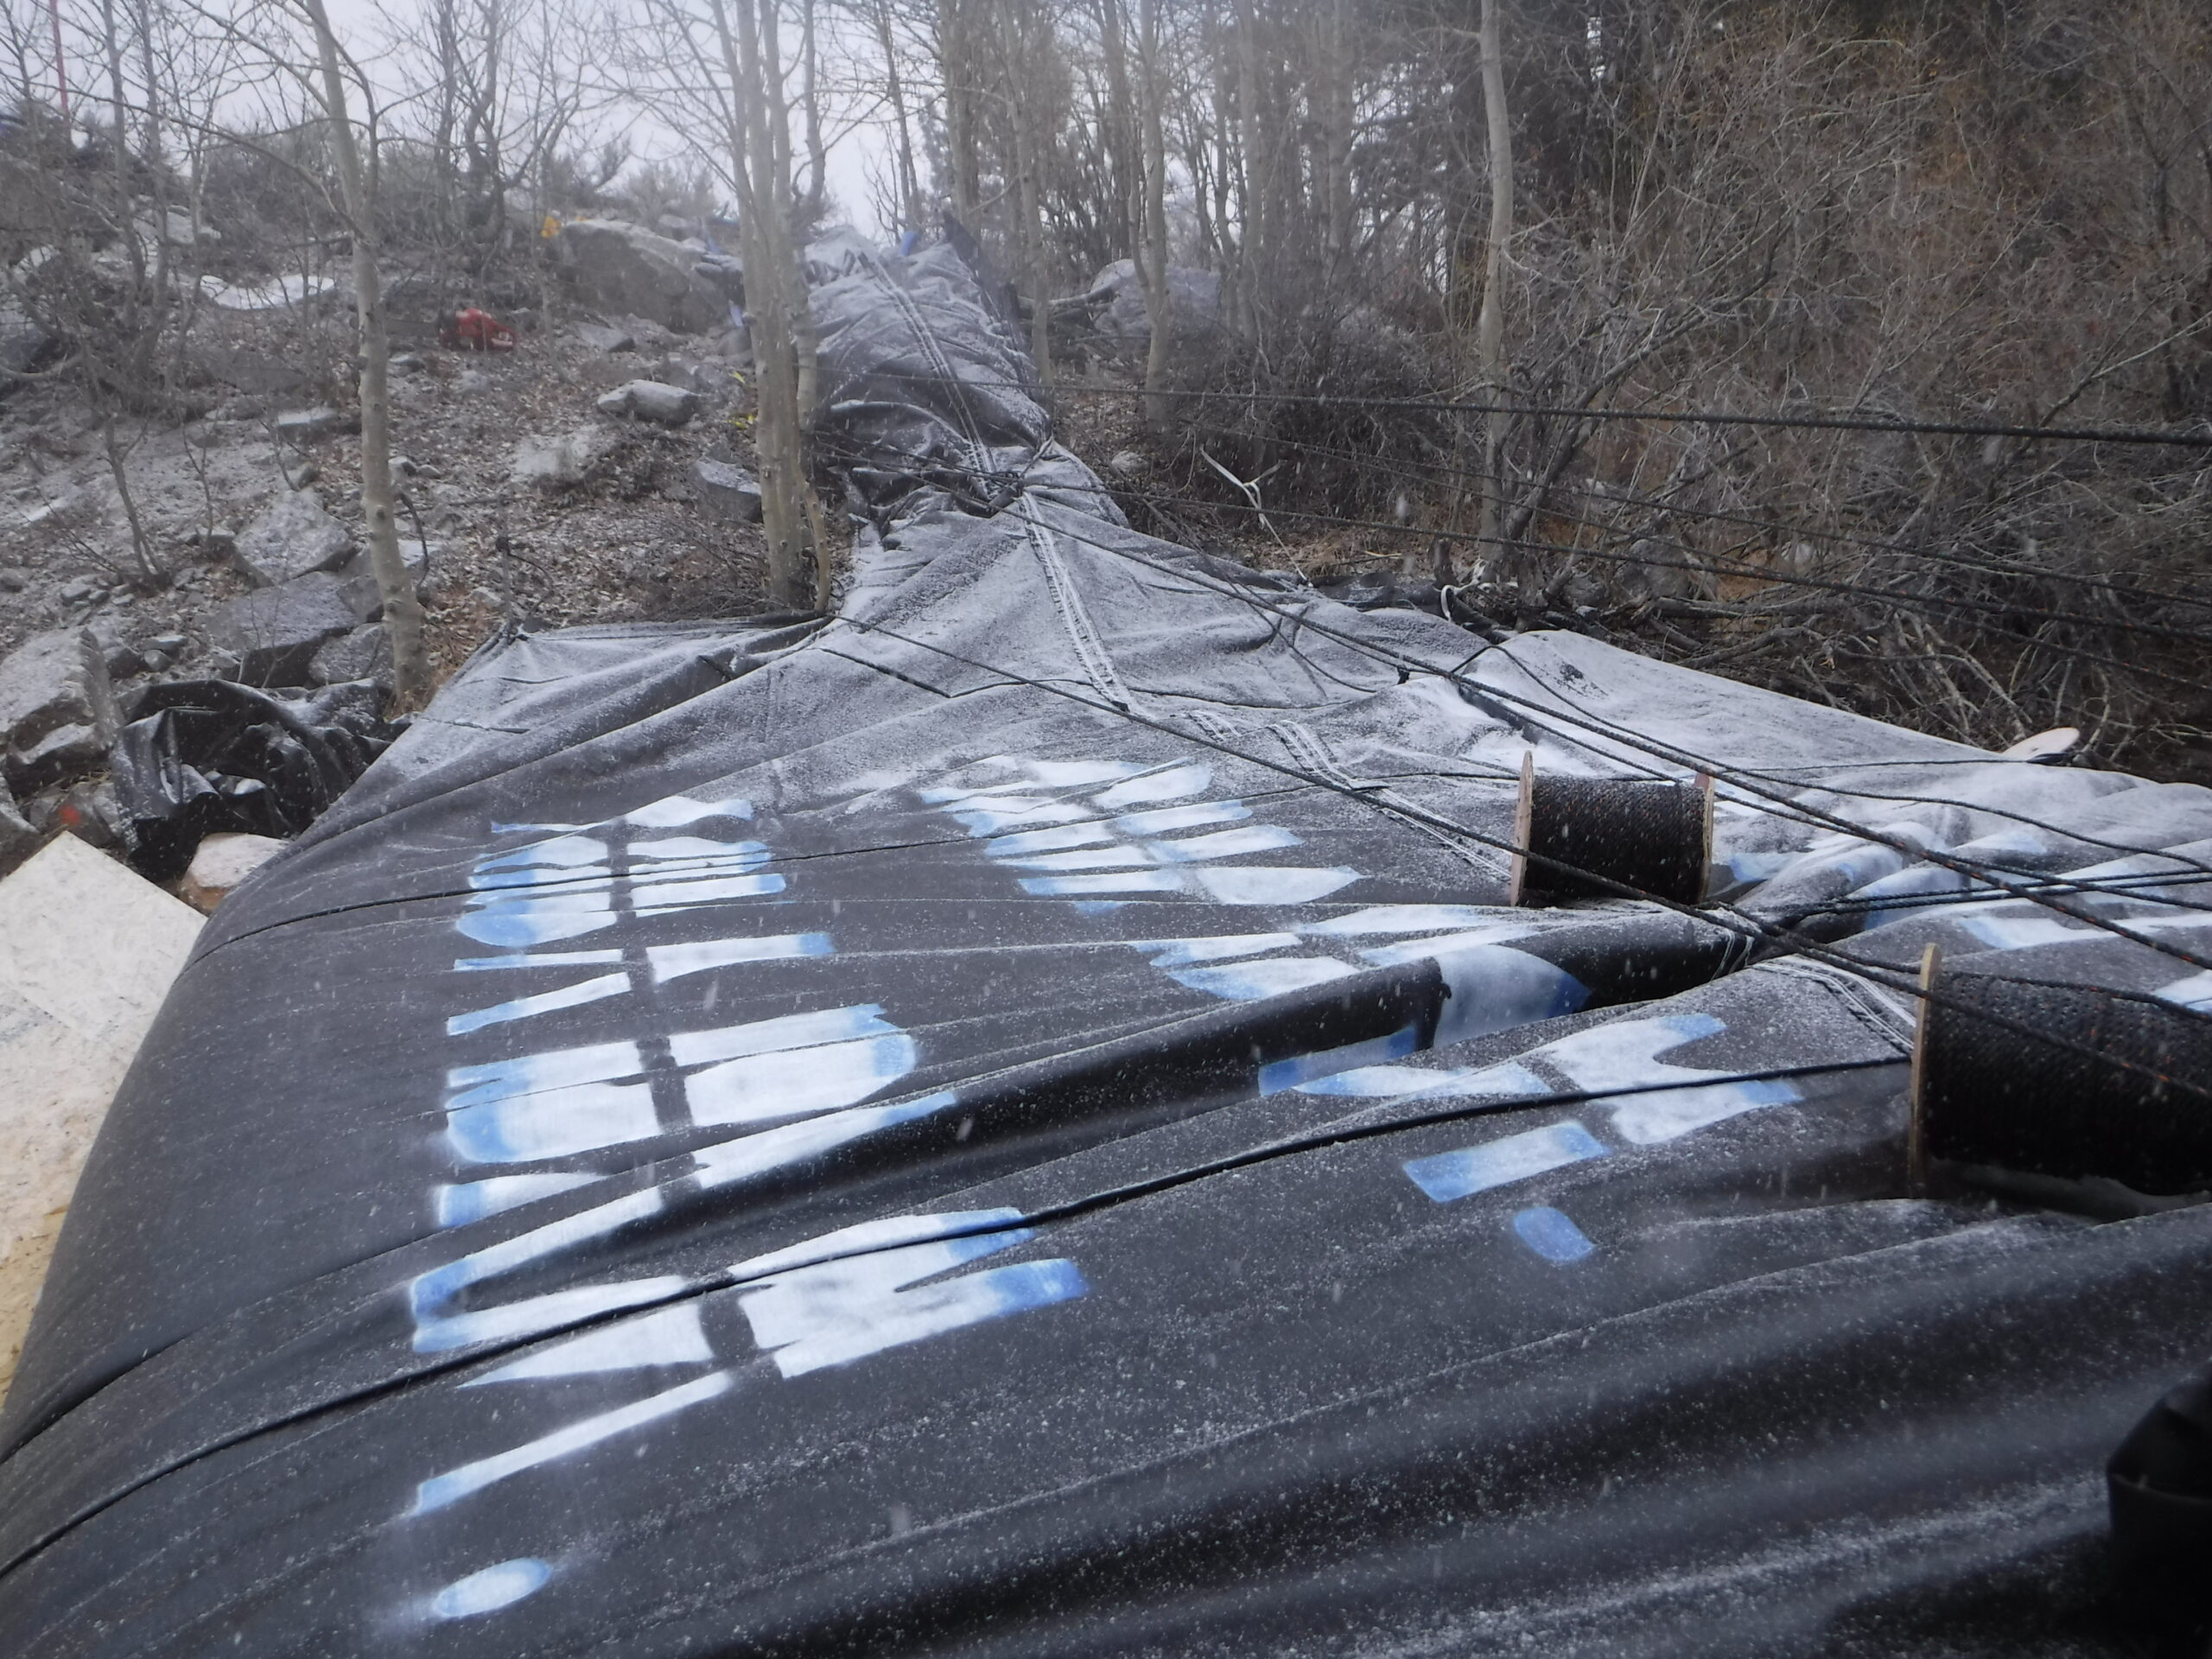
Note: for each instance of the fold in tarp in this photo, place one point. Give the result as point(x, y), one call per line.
point(1013, 1120)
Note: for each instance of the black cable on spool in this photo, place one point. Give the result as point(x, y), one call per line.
point(1651, 834)
point(2159, 1485)
point(1991, 1096)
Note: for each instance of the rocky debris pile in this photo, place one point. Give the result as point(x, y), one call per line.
point(532, 501)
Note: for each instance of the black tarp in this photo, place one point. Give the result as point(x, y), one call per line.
point(874, 1137)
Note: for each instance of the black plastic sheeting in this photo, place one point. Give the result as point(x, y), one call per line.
point(199, 756)
point(1012, 1122)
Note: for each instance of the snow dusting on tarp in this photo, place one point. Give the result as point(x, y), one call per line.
point(745, 1138)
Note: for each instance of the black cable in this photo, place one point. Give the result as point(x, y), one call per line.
point(1915, 601)
point(1987, 563)
point(1824, 423)
point(1735, 921)
point(1935, 604)
point(1681, 757)
point(1674, 756)
point(1014, 476)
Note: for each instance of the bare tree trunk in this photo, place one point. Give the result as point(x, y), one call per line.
point(1336, 135)
point(771, 290)
point(956, 60)
point(1151, 249)
point(402, 610)
point(1026, 40)
point(818, 154)
point(910, 189)
point(1490, 329)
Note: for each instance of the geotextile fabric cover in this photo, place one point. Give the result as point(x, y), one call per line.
point(1013, 1120)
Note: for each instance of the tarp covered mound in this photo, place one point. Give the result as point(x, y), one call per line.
point(874, 1137)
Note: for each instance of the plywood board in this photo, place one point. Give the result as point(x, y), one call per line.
point(87, 951)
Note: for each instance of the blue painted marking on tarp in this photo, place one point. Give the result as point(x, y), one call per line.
point(1301, 1069)
point(501, 1585)
point(1448, 1176)
point(1551, 1235)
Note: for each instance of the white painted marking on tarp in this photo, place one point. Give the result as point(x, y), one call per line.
point(666, 1336)
point(836, 1311)
point(1223, 843)
point(674, 961)
point(1270, 884)
point(794, 1143)
point(1248, 981)
point(524, 1007)
point(2192, 991)
point(536, 959)
point(1508, 1081)
point(1170, 784)
point(1181, 953)
point(796, 1081)
point(1121, 857)
point(1026, 842)
point(1626, 1055)
point(440, 1491)
point(1199, 813)
point(1417, 919)
point(786, 1031)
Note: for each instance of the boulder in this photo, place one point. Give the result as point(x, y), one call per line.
point(363, 654)
point(416, 555)
point(729, 491)
point(275, 632)
point(560, 463)
point(293, 536)
point(1115, 301)
point(52, 680)
point(600, 338)
point(650, 400)
point(65, 753)
point(306, 426)
point(223, 861)
point(122, 658)
point(625, 268)
point(90, 812)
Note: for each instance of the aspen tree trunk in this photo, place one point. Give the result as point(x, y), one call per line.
point(1490, 328)
point(1336, 106)
point(1024, 48)
point(1123, 144)
point(1151, 249)
point(761, 166)
point(402, 610)
point(957, 58)
point(910, 192)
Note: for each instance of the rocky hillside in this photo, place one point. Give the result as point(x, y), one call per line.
point(598, 470)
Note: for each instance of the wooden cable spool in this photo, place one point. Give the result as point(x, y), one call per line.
point(1591, 837)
